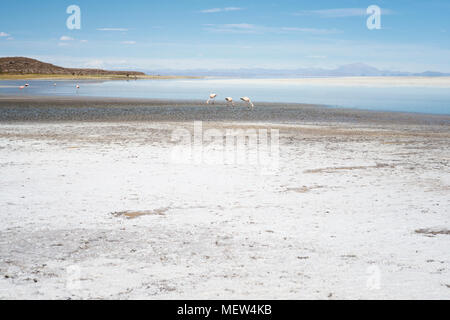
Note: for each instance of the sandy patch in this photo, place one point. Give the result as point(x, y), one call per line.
point(137, 214)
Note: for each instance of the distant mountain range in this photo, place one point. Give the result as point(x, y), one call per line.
point(21, 65)
point(350, 70)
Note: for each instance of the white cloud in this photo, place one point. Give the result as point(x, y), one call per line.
point(309, 30)
point(128, 42)
point(113, 29)
point(233, 28)
point(66, 38)
point(95, 63)
point(339, 12)
point(4, 34)
point(216, 10)
point(316, 57)
point(251, 28)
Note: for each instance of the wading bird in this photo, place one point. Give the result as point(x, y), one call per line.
point(22, 87)
point(229, 100)
point(77, 86)
point(212, 97)
point(248, 101)
point(27, 85)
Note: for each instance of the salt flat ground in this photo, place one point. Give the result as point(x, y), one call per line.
point(352, 212)
point(440, 82)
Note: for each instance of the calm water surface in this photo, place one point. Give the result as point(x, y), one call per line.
point(409, 99)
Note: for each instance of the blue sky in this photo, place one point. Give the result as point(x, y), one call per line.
point(211, 34)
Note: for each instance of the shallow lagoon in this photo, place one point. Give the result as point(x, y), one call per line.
point(421, 99)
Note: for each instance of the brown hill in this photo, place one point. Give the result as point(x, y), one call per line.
point(20, 65)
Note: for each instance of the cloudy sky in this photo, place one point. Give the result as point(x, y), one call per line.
point(210, 34)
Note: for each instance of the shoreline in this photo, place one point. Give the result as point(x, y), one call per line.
point(106, 109)
point(12, 77)
point(358, 81)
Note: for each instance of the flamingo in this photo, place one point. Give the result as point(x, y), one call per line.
point(229, 100)
point(212, 97)
point(248, 101)
point(22, 87)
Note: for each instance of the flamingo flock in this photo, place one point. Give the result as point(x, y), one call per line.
point(26, 85)
point(229, 100)
point(212, 97)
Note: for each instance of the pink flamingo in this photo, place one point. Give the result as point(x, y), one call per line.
point(229, 100)
point(212, 97)
point(248, 101)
